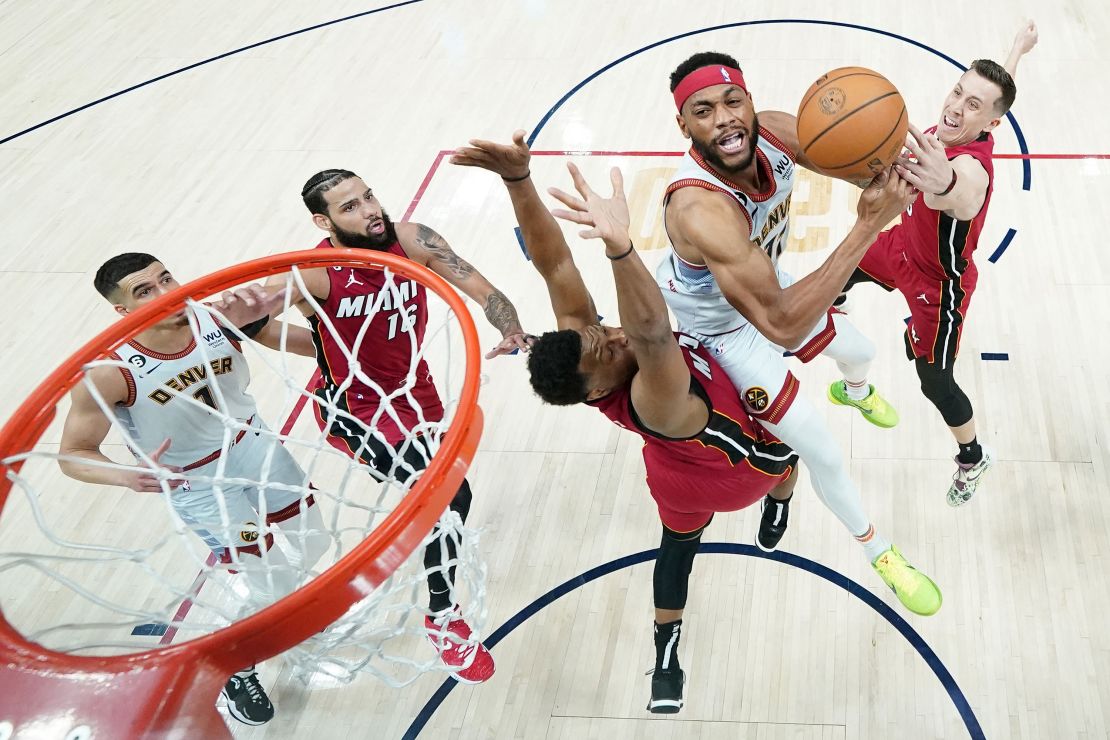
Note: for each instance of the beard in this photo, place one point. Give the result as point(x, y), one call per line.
point(708, 151)
point(364, 240)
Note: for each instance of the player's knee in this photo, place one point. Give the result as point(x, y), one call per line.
point(940, 387)
point(673, 566)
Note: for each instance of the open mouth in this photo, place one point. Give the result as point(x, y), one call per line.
point(949, 123)
point(377, 227)
point(732, 143)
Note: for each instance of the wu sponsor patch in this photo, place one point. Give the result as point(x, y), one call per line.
point(757, 398)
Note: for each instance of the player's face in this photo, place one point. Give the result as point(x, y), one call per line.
point(607, 359)
point(968, 110)
point(142, 287)
point(721, 123)
point(356, 218)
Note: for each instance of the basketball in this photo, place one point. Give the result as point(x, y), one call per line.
point(852, 123)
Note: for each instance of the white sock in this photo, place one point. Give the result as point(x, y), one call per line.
point(873, 543)
point(857, 391)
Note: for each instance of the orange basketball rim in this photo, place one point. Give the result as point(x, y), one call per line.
point(171, 691)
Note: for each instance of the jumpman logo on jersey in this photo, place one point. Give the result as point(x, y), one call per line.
point(923, 299)
point(352, 280)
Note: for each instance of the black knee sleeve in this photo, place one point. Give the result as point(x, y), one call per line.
point(672, 567)
point(940, 387)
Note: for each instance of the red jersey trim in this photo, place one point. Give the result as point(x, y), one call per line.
point(290, 511)
point(777, 143)
point(215, 455)
point(762, 163)
point(815, 346)
point(694, 183)
point(160, 356)
point(783, 401)
point(129, 379)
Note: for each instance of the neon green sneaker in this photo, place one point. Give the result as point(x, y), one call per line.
point(874, 408)
point(914, 589)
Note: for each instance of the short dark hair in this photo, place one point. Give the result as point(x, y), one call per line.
point(111, 272)
point(699, 60)
point(997, 74)
point(313, 191)
point(553, 367)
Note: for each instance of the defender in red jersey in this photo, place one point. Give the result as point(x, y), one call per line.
point(702, 451)
point(384, 426)
point(929, 256)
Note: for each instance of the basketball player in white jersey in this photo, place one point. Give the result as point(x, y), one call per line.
point(727, 214)
point(165, 393)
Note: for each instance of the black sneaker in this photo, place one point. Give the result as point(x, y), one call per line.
point(772, 525)
point(247, 700)
point(666, 691)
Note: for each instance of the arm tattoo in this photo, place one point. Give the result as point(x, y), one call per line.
point(501, 313)
point(438, 248)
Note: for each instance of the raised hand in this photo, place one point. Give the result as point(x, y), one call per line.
point(512, 343)
point(1026, 38)
point(250, 303)
point(932, 172)
point(608, 216)
point(508, 160)
point(145, 481)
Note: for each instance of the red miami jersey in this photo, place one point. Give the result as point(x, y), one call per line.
point(938, 245)
point(395, 315)
point(728, 465)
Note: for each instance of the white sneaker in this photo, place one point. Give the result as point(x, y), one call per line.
point(966, 479)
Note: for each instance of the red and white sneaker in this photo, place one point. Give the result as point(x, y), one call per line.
point(449, 635)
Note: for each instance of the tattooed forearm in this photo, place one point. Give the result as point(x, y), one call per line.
point(438, 248)
point(501, 313)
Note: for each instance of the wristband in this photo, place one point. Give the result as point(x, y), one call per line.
point(523, 177)
point(622, 255)
point(951, 185)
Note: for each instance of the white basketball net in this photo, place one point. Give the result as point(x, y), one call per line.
point(98, 570)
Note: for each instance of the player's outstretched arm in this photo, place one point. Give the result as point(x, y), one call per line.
point(548, 250)
point(930, 171)
point(423, 244)
point(714, 226)
point(84, 431)
point(298, 339)
point(661, 388)
point(1024, 42)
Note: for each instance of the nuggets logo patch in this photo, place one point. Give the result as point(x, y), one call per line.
point(249, 535)
point(757, 398)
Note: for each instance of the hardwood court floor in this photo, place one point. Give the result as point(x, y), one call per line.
point(204, 168)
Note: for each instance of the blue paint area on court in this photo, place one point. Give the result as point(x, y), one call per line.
point(154, 628)
point(1026, 168)
point(995, 356)
point(960, 701)
point(201, 63)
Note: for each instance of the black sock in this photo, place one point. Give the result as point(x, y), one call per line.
point(666, 645)
point(439, 601)
point(786, 501)
point(970, 453)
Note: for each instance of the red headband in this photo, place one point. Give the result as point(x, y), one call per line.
point(704, 77)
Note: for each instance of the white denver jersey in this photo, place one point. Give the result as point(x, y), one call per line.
point(162, 388)
point(690, 290)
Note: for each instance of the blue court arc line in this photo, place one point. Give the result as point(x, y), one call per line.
point(255, 45)
point(995, 355)
point(960, 701)
point(1002, 247)
point(1026, 168)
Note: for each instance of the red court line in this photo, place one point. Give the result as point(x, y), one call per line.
point(427, 180)
point(187, 604)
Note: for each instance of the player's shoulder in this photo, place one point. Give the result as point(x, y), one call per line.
point(113, 383)
point(693, 209)
point(970, 166)
point(781, 130)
